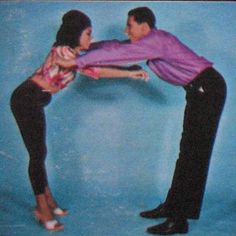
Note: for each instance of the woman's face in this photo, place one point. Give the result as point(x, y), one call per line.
point(85, 39)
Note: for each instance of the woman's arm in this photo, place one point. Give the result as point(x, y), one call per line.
point(111, 72)
point(62, 56)
point(66, 63)
point(103, 72)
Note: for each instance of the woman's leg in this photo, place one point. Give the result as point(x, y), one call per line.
point(57, 211)
point(27, 104)
point(50, 199)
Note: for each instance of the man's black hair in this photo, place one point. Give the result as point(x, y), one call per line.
point(142, 15)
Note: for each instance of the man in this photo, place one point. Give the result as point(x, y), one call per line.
point(205, 88)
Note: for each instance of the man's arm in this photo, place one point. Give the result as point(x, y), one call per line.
point(103, 44)
point(118, 54)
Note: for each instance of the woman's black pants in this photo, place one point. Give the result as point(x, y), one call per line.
point(205, 98)
point(27, 104)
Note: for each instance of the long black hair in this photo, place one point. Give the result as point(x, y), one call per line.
point(74, 22)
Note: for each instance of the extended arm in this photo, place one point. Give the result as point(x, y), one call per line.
point(119, 53)
point(103, 72)
point(115, 72)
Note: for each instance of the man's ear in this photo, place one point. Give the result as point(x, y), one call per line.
point(145, 28)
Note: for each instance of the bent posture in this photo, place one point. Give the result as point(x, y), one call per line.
point(29, 99)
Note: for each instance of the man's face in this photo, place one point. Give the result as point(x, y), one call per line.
point(133, 29)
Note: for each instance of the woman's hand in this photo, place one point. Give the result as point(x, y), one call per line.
point(111, 72)
point(138, 74)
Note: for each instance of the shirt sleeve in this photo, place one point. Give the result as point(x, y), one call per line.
point(103, 44)
point(119, 53)
point(93, 72)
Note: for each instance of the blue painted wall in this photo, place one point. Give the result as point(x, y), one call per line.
point(109, 132)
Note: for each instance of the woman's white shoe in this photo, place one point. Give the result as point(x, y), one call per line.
point(60, 212)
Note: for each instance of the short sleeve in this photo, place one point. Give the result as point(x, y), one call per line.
point(93, 72)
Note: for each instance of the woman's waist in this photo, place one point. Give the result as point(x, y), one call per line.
point(44, 85)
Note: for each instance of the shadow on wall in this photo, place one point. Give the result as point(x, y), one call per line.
point(114, 89)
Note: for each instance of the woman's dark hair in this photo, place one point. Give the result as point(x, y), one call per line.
point(143, 15)
point(74, 22)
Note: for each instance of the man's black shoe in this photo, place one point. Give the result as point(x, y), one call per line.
point(170, 226)
point(158, 212)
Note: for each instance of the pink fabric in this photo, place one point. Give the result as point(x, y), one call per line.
point(55, 75)
point(93, 72)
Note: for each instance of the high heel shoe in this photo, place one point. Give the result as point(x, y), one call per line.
point(50, 225)
point(60, 212)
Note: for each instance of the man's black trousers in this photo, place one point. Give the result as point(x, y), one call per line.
point(205, 98)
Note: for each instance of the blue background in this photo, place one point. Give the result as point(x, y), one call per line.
point(112, 144)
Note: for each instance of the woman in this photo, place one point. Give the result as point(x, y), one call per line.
point(29, 99)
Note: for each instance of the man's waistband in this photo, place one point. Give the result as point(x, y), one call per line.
point(199, 78)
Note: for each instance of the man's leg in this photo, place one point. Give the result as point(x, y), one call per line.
point(204, 106)
point(203, 110)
